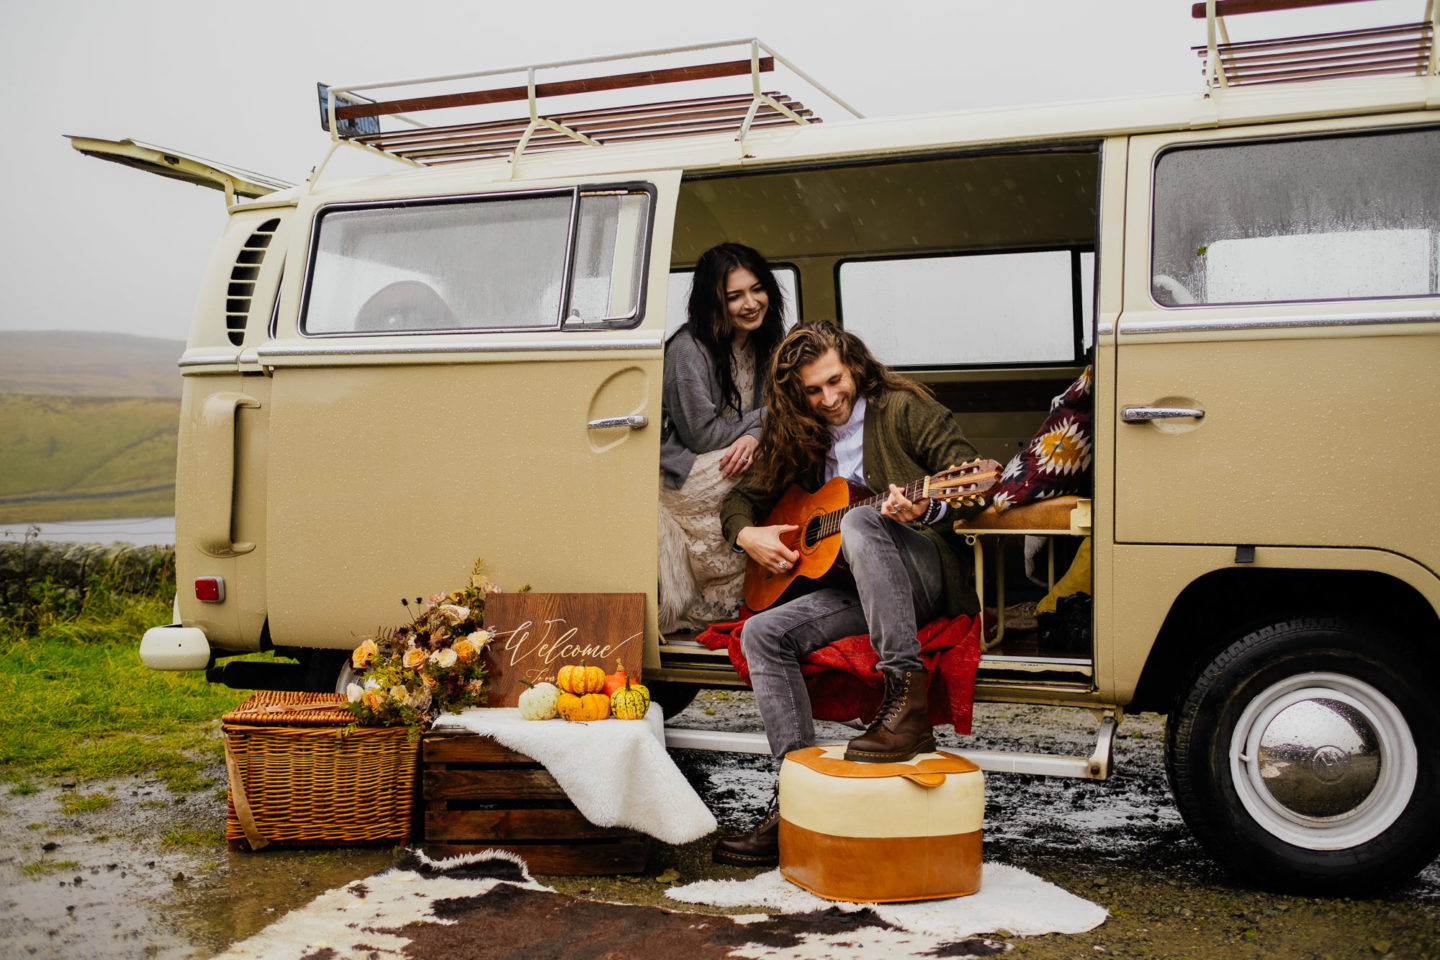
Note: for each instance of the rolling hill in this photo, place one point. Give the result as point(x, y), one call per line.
point(88, 425)
point(88, 364)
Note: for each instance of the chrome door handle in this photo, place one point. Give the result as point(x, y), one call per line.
point(1146, 414)
point(635, 421)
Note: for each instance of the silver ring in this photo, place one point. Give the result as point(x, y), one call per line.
point(784, 564)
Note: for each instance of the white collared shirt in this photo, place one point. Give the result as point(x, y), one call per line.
point(847, 447)
point(847, 453)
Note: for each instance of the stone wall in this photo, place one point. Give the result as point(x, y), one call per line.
point(74, 568)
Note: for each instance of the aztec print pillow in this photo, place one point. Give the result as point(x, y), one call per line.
point(1056, 462)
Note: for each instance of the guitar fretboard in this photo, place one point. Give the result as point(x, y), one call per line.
point(828, 524)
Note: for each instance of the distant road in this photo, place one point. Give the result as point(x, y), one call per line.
point(141, 531)
point(56, 497)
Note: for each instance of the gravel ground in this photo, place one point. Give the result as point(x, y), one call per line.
point(146, 876)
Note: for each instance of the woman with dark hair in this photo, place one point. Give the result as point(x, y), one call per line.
point(714, 367)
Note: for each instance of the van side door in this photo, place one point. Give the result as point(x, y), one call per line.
point(1276, 355)
point(466, 373)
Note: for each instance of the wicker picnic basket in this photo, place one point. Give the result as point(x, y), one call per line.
point(298, 778)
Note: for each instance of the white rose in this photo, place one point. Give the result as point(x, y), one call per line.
point(481, 638)
point(454, 612)
point(353, 692)
point(444, 658)
point(399, 692)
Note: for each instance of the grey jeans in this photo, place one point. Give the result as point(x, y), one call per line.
point(898, 579)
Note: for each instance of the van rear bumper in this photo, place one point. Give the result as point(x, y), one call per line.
point(174, 647)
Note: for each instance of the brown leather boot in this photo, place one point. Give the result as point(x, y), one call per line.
point(758, 848)
point(902, 725)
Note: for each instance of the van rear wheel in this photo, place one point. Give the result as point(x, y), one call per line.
point(328, 671)
point(1306, 757)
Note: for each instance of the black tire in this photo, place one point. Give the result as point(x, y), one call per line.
point(672, 697)
point(1306, 758)
point(327, 671)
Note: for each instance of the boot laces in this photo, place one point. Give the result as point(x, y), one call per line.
point(896, 693)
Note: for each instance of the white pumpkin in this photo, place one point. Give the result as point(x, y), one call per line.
point(538, 702)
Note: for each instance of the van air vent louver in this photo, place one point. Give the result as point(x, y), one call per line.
point(242, 280)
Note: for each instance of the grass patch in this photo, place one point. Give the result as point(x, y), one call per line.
point(41, 867)
point(23, 789)
point(85, 803)
point(92, 456)
point(192, 838)
point(79, 702)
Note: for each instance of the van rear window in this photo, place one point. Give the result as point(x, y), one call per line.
point(537, 260)
point(1319, 218)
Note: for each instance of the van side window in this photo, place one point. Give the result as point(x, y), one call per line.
point(1028, 307)
point(1320, 218)
point(538, 260)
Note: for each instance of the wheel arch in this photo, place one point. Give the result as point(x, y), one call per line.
point(1191, 635)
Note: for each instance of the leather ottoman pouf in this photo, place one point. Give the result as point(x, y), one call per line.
point(874, 832)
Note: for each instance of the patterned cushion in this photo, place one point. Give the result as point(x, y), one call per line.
point(1056, 462)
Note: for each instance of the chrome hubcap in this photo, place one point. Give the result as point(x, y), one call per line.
point(1323, 761)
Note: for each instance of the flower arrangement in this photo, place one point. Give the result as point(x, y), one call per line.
point(434, 664)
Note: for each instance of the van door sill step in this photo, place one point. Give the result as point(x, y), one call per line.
point(1094, 767)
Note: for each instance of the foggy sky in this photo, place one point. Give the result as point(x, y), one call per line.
point(90, 245)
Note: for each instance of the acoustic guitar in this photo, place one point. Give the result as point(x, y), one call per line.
point(818, 516)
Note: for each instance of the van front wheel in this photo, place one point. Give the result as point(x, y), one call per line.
point(1306, 757)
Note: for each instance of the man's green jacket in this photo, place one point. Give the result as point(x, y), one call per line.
point(907, 437)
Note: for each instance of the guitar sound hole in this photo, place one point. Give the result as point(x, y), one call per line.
point(812, 533)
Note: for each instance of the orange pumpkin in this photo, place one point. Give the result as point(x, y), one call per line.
point(578, 678)
point(584, 706)
point(614, 681)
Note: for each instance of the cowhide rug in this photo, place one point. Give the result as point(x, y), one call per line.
point(487, 907)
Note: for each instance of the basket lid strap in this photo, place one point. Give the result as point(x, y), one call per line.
point(242, 805)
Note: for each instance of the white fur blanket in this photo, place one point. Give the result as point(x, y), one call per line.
point(1009, 899)
point(616, 772)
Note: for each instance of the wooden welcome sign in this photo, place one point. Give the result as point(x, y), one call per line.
point(535, 634)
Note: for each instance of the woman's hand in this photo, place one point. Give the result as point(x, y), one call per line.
point(765, 547)
point(739, 456)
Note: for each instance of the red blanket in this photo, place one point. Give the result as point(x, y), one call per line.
point(844, 683)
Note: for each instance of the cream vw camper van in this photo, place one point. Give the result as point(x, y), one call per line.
point(388, 377)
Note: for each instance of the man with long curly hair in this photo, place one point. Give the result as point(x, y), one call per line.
point(835, 411)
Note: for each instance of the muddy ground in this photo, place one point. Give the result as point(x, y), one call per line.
point(148, 874)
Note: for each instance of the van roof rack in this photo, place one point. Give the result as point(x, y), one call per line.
point(562, 105)
point(1406, 49)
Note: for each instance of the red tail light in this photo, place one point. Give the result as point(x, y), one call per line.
point(210, 589)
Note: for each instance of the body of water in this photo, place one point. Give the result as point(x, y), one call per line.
point(141, 531)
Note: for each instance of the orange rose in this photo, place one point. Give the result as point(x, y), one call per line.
point(413, 658)
point(363, 654)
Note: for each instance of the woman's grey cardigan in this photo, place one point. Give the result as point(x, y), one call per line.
point(691, 406)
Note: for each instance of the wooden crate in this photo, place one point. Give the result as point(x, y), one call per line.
point(480, 796)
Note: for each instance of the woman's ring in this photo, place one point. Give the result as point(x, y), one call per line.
point(784, 564)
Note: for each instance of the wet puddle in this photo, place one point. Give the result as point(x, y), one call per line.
point(146, 876)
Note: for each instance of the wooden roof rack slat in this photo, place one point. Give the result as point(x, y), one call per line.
point(354, 115)
point(1407, 49)
point(672, 109)
point(566, 88)
point(611, 134)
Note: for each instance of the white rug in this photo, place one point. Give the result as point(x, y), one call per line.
point(1009, 900)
